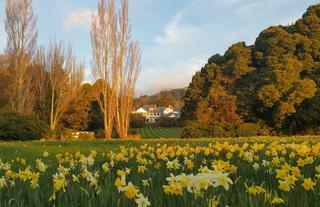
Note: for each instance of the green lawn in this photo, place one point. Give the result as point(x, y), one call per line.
point(34, 149)
point(160, 132)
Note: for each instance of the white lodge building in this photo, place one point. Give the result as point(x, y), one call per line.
point(153, 112)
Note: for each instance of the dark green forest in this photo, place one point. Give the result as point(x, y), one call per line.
point(270, 87)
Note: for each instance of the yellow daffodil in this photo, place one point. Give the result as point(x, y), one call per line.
point(130, 191)
point(277, 201)
point(2, 182)
point(284, 185)
point(308, 184)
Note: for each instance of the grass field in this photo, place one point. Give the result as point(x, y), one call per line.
point(258, 171)
point(160, 132)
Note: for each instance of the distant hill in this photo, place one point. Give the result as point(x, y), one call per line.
point(163, 98)
point(177, 93)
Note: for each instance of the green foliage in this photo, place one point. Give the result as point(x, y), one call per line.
point(195, 130)
point(95, 117)
point(275, 81)
point(14, 126)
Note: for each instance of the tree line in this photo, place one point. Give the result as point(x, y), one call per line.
point(47, 82)
point(172, 97)
point(270, 87)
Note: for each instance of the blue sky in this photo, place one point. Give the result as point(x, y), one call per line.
point(176, 36)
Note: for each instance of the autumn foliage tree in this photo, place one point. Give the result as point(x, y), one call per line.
point(77, 116)
point(218, 109)
point(274, 82)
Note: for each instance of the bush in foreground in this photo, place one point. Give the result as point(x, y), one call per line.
point(15, 126)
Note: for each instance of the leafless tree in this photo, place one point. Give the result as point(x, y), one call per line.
point(65, 78)
point(116, 63)
point(127, 84)
point(42, 84)
point(21, 28)
point(103, 37)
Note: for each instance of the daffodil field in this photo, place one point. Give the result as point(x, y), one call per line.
point(203, 172)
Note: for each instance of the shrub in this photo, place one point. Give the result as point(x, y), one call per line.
point(137, 121)
point(216, 131)
point(64, 134)
point(15, 126)
point(248, 130)
point(192, 130)
point(86, 136)
point(195, 130)
point(133, 134)
point(266, 130)
point(99, 134)
point(311, 131)
point(168, 122)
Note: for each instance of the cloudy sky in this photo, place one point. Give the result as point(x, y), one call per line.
point(176, 36)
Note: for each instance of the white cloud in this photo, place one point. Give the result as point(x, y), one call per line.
point(173, 31)
point(172, 61)
point(166, 76)
point(79, 18)
point(182, 49)
point(176, 41)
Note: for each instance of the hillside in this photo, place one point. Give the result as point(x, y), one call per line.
point(163, 98)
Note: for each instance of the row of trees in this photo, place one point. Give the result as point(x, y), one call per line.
point(274, 83)
point(36, 80)
point(116, 65)
point(48, 82)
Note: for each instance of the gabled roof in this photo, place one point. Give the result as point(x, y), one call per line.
point(155, 109)
point(160, 109)
point(174, 115)
point(146, 107)
point(140, 110)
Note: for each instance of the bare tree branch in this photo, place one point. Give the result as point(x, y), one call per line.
point(21, 28)
point(65, 78)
